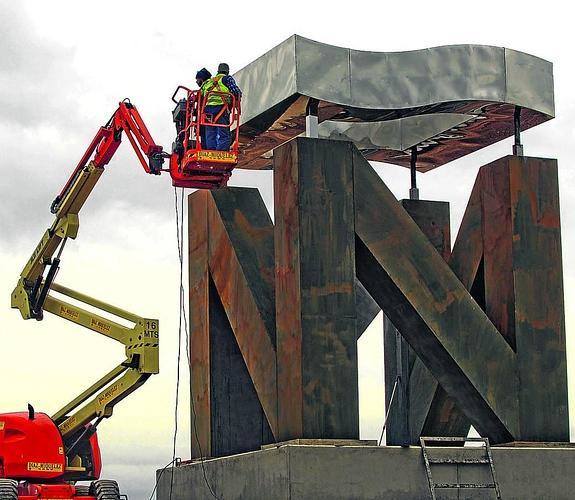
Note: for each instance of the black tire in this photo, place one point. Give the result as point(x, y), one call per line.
point(104, 489)
point(82, 490)
point(8, 489)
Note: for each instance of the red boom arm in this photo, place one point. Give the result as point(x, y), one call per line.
point(191, 166)
point(125, 119)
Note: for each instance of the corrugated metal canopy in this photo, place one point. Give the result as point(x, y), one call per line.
point(447, 101)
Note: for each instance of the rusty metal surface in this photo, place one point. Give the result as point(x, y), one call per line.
point(274, 343)
point(432, 217)
point(288, 298)
point(531, 228)
point(468, 248)
point(410, 410)
point(238, 223)
point(250, 232)
point(498, 249)
point(199, 324)
point(238, 422)
point(449, 101)
point(435, 413)
point(315, 300)
point(397, 367)
point(231, 260)
point(508, 253)
point(425, 300)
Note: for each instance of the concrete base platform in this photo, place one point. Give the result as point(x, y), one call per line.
point(303, 471)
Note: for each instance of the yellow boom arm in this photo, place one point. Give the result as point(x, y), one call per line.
point(32, 296)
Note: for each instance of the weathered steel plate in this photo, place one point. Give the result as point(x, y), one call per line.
point(428, 304)
point(315, 283)
point(448, 101)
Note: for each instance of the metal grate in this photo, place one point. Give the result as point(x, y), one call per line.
point(487, 459)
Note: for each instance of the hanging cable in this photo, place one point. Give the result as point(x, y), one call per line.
point(158, 478)
point(179, 343)
point(180, 236)
point(183, 320)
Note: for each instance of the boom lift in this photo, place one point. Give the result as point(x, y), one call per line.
point(43, 457)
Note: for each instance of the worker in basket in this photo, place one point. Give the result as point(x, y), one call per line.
point(217, 107)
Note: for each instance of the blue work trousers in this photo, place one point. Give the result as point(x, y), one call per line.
point(218, 138)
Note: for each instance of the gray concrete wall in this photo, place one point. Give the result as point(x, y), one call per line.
point(327, 472)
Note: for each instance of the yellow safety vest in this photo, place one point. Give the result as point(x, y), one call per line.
point(216, 85)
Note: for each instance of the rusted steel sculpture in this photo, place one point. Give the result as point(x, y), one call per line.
point(231, 312)
point(474, 335)
point(508, 254)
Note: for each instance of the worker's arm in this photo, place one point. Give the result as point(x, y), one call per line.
point(230, 83)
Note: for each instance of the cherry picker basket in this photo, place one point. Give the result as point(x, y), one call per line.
point(192, 164)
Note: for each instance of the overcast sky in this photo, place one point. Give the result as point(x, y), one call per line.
point(64, 65)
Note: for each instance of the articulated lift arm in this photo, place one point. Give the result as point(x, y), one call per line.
point(32, 295)
point(141, 349)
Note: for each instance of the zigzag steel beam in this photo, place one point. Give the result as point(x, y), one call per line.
point(422, 296)
point(241, 263)
point(238, 421)
point(434, 412)
point(468, 248)
point(412, 401)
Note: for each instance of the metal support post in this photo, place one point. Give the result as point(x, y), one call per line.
point(311, 120)
point(517, 146)
point(413, 191)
